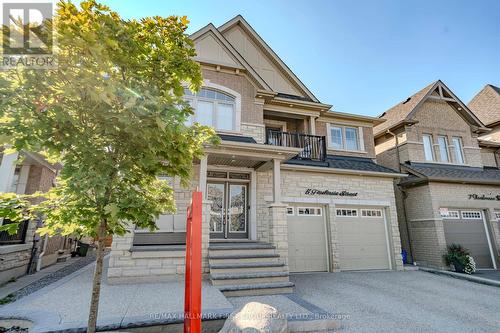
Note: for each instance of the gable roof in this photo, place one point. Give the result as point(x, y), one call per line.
point(403, 112)
point(224, 43)
point(486, 104)
point(239, 20)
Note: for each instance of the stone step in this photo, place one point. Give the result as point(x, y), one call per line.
point(242, 251)
point(248, 278)
point(257, 289)
point(247, 267)
point(240, 246)
point(242, 258)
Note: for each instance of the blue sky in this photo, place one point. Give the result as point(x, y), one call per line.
point(362, 56)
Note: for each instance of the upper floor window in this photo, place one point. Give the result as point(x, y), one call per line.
point(458, 149)
point(212, 108)
point(344, 138)
point(428, 148)
point(443, 148)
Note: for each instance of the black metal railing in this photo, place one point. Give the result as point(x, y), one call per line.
point(314, 146)
point(17, 238)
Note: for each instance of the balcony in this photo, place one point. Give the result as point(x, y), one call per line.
point(314, 147)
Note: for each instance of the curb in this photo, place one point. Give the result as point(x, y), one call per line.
point(460, 276)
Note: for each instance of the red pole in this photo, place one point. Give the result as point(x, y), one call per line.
point(192, 301)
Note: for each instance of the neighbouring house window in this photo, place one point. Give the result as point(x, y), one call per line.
point(346, 212)
point(309, 211)
point(443, 148)
point(344, 138)
point(371, 213)
point(475, 215)
point(450, 214)
point(212, 108)
point(459, 153)
point(428, 150)
point(289, 211)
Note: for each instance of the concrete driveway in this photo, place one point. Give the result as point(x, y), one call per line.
point(410, 301)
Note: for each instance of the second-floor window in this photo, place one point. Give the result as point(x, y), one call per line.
point(212, 108)
point(458, 150)
point(344, 138)
point(443, 148)
point(428, 148)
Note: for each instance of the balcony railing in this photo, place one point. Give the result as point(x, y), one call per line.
point(18, 238)
point(314, 147)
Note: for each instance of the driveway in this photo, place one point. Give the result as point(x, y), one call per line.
point(410, 301)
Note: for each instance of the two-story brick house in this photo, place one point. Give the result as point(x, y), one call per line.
point(292, 187)
point(451, 194)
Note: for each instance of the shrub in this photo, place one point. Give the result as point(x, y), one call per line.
point(460, 256)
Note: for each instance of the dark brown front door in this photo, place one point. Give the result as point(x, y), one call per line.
point(229, 210)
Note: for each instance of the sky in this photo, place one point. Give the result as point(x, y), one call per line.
point(362, 57)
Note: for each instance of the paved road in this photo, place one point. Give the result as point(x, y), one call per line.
point(403, 301)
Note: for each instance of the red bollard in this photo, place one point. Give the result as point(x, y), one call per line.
point(192, 291)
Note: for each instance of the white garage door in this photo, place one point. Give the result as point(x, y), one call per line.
point(362, 238)
point(466, 227)
point(307, 249)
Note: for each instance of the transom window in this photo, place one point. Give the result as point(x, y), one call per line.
point(212, 108)
point(371, 213)
point(344, 138)
point(290, 211)
point(475, 215)
point(497, 215)
point(346, 212)
point(309, 211)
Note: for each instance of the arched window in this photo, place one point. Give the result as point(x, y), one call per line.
point(212, 108)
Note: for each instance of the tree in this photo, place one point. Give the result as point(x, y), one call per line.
point(112, 114)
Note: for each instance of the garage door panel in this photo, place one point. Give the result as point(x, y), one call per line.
point(306, 243)
point(470, 234)
point(363, 242)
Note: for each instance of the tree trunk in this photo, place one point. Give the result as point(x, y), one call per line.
point(96, 284)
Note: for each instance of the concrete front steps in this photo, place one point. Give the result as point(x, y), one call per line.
point(247, 269)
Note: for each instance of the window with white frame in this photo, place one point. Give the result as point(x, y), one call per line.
point(428, 148)
point(309, 211)
point(473, 215)
point(458, 149)
point(342, 212)
point(371, 213)
point(443, 148)
point(290, 211)
point(450, 214)
point(212, 108)
point(345, 138)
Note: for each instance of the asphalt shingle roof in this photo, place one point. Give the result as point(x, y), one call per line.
point(344, 162)
point(237, 138)
point(427, 171)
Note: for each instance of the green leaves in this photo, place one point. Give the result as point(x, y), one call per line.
point(112, 114)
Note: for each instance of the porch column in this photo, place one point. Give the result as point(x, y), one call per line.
point(203, 176)
point(312, 125)
point(276, 181)
point(278, 232)
point(7, 169)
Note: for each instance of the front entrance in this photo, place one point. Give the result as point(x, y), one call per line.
point(229, 210)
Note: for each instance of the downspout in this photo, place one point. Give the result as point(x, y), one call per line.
point(40, 256)
point(404, 195)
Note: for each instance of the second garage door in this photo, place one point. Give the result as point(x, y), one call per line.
point(307, 249)
point(362, 238)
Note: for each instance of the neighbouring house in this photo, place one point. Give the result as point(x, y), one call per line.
point(293, 186)
point(27, 173)
point(452, 193)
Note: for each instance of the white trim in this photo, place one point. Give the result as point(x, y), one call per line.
point(490, 246)
point(252, 227)
point(361, 139)
point(359, 134)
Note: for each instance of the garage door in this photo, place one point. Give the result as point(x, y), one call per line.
point(307, 249)
point(362, 238)
point(466, 227)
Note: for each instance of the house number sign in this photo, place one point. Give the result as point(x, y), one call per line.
point(344, 193)
point(484, 197)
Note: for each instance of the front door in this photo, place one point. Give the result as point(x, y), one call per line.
point(229, 210)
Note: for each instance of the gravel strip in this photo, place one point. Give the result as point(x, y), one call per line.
point(53, 277)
